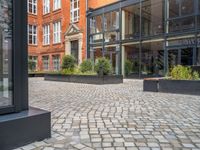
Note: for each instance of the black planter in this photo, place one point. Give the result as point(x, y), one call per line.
point(86, 79)
point(180, 86)
point(150, 85)
point(36, 75)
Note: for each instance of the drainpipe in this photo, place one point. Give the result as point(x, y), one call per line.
point(86, 29)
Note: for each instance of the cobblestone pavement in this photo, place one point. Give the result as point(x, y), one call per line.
point(115, 117)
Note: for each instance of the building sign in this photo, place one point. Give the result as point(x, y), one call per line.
point(184, 42)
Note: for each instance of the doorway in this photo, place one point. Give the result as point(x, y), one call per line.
point(74, 50)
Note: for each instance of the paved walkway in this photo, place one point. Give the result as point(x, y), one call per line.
point(116, 117)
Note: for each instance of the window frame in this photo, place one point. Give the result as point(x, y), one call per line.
point(32, 34)
point(46, 34)
point(45, 63)
point(74, 10)
point(33, 9)
point(46, 7)
point(56, 4)
point(57, 32)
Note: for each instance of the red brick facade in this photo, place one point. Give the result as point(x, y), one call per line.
point(63, 15)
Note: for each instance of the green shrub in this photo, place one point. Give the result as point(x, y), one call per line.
point(183, 73)
point(86, 66)
point(103, 66)
point(128, 67)
point(67, 71)
point(68, 62)
point(31, 65)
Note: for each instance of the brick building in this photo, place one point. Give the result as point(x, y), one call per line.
point(56, 28)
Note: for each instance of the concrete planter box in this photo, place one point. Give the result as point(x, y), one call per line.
point(32, 75)
point(86, 79)
point(179, 86)
point(150, 85)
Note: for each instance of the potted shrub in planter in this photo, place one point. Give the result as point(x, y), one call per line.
point(182, 80)
point(85, 73)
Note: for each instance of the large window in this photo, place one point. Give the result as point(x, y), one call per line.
point(46, 34)
point(198, 57)
point(74, 9)
point(56, 62)
point(152, 58)
point(56, 4)
point(32, 34)
point(46, 6)
point(57, 32)
point(152, 17)
point(179, 8)
point(111, 21)
point(45, 62)
point(34, 59)
point(131, 24)
point(32, 6)
point(96, 24)
point(6, 53)
point(111, 26)
point(181, 15)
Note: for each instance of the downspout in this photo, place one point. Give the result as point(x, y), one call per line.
point(86, 30)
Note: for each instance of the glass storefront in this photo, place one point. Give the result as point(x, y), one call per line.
point(6, 53)
point(152, 62)
point(166, 33)
point(152, 21)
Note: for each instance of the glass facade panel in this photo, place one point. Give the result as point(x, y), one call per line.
point(152, 21)
point(96, 24)
point(132, 55)
point(187, 7)
point(111, 36)
point(183, 24)
point(187, 56)
point(198, 57)
point(111, 21)
point(6, 53)
point(173, 59)
point(152, 59)
point(131, 24)
point(174, 8)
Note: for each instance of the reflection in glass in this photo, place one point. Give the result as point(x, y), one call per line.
point(111, 21)
point(111, 36)
point(152, 57)
point(132, 55)
point(152, 21)
point(5, 53)
point(187, 57)
point(198, 57)
point(96, 24)
point(132, 19)
point(182, 24)
point(172, 58)
point(173, 8)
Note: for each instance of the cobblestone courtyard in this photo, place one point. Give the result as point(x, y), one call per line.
point(115, 117)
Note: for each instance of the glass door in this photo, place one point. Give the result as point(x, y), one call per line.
point(6, 89)
point(173, 58)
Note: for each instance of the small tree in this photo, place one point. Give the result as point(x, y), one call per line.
point(68, 62)
point(86, 66)
point(103, 66)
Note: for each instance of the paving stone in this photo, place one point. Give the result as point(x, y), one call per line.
point(115, 117)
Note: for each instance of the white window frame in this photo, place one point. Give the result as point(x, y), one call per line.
point(57, 32)
point(74, 11)
point(56, 62)
point(32, 31)
point(46, 34)
point(33, 4)
point(56, 4)
point(45, 63)
point(46, 6)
